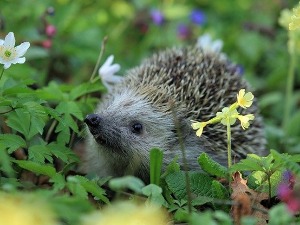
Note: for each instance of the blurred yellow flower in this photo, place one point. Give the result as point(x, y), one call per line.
point(128, 213)
point(199, 127)
point(295, 19)
point(244, 100)
point(25, 209)
point(228, 115)
point(245, 120)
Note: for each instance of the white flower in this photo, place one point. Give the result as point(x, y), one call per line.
point(107, 73)
point(207, 44)
point(9, 54)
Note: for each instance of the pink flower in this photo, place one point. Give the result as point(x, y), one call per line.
point(47, 43)
point(284, 192)
point(50, 30)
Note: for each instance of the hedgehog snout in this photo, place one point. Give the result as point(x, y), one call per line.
point(92, 120)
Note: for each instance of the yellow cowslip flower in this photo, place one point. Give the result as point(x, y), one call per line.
point(25, 209)
point(199, 127)
point(245, 120)
point(227, 115)
point(244, 100)
point(295, 19)
point(128, 213)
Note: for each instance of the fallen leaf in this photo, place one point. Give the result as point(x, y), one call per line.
point(247, 201)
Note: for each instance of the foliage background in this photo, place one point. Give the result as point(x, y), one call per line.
point(249, 29)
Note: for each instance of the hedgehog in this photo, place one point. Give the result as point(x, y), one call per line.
point(159, 98)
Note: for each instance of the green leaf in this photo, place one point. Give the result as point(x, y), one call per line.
point(127, 182)
point(212, 167)
point(200, 184)
point(84, 89)
point(38, 153)
point(90, 186)
point(156, 158)
point(63, 153)
point(29, 120)
point(76, 187)
point(11, 142)
point(252, 162)
point(287, 162)
point(5, 163)
point(154, 194)
point(218, 190)
point(37, 168)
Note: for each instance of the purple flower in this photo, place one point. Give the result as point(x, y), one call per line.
point(197, 17)
point(183, 31)
point(157, 17)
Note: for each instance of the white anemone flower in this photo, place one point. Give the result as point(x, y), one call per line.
point(107, 73)
point(9, 54)
point(207, 44)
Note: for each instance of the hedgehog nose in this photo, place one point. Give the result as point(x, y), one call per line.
point(92, 120)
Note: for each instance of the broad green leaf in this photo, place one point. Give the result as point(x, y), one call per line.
point(127, 182)
point(201, 200)
point(91, 187)
point(11, 142)
point(252, 162)
point(212, 167)
point(156, 157)
point(218, 190)
point(37, 168)
point(200, 184)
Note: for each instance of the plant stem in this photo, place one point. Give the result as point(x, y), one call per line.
point(270, 190)
point(228, 143)
point(2, 72)
point(185, 166)
point(99, 59)
point(289, 88)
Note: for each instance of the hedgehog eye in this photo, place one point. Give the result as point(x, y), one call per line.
point(137, 128)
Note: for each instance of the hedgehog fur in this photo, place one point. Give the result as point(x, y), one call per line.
point(160, 97)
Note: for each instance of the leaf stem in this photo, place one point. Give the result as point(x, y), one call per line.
point(2, 72)
point(289, 86)
point(99, 59)
point(228, 143)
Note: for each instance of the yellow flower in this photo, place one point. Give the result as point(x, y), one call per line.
point(285, 18)
point(245, 120)
point(295, 19)
point(227, 115)
point(199, 127)
point(128, 213)
point(244, 100)
point(24, 209)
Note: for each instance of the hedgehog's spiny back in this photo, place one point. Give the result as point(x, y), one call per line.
point(201, 84)
point(190, 77)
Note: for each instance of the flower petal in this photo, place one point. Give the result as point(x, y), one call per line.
point(217, 45)
point(7, 65)
point(9, 40)
point(22, 48)
point(1, 42)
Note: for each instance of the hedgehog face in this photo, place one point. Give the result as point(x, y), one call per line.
point(129, 125)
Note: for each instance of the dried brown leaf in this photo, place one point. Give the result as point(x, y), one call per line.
point(247, 201)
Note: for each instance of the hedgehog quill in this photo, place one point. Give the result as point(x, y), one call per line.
point(137, 114)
